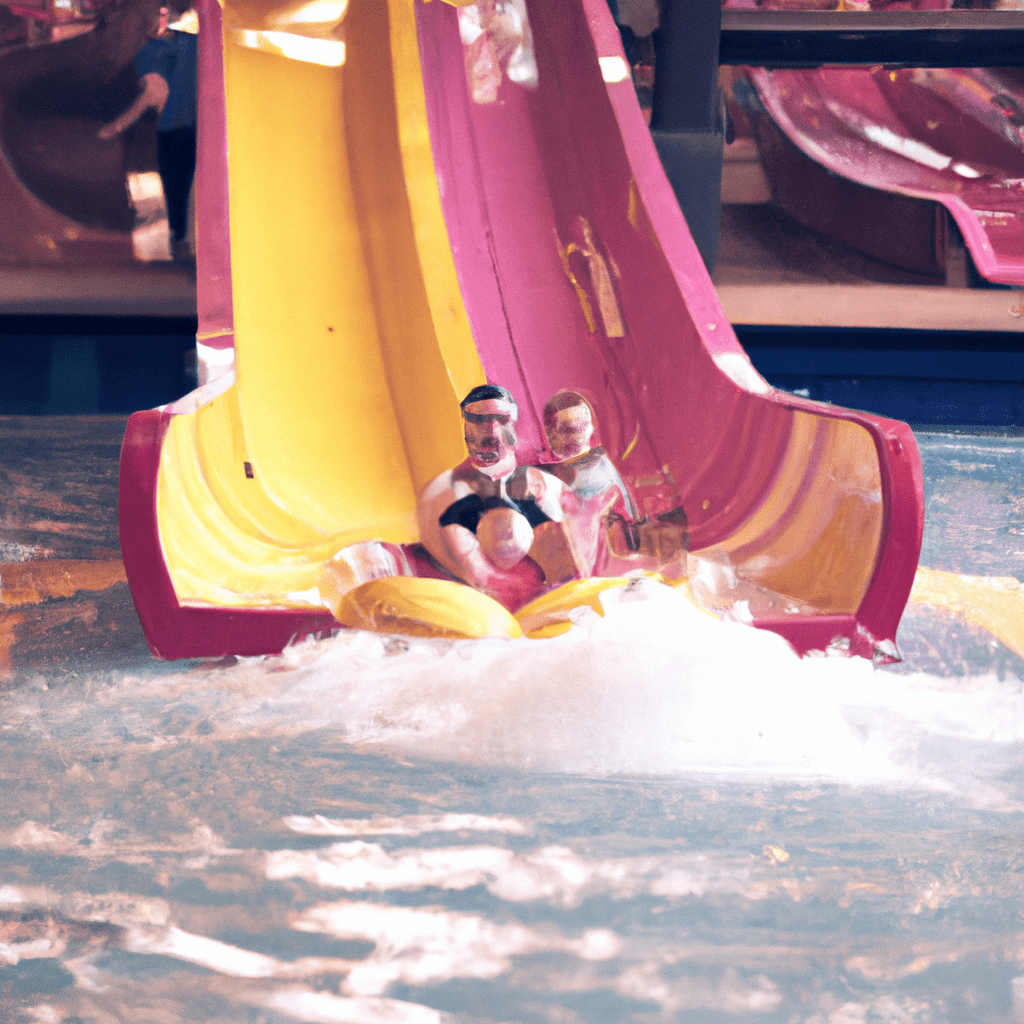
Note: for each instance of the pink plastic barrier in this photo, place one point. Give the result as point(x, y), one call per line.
point(955, 136)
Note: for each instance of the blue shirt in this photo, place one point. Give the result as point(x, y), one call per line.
point(175, 58)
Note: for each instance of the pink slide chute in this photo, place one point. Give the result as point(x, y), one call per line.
point(576, 271)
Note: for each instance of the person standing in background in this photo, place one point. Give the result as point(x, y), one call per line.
point(167, 67)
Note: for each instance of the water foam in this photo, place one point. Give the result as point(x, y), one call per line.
point(655, 686)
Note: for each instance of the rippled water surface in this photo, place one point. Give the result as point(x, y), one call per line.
point(656, 817)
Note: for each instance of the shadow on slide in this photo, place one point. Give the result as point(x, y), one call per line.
point(412, 215)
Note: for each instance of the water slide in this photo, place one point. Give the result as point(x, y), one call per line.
point(381, 230)
point(948, 136)
point(62, 190)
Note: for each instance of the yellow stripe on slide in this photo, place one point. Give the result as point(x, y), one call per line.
point(425, 607)
point(549, 615)
point(995, 603)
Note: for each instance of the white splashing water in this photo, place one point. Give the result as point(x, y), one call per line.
point(653, 687)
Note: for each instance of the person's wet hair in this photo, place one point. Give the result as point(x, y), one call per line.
point(488, 392)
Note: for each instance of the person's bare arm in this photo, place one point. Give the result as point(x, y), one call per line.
point(466, 559)
point(153, 93)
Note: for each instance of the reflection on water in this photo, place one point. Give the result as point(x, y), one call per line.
point(372, 830)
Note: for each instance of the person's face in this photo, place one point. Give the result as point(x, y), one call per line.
point(571, 433)
point(490, 431)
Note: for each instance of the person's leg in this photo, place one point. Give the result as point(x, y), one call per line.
point(176, 155)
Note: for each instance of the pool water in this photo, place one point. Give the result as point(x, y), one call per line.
point(655, 817)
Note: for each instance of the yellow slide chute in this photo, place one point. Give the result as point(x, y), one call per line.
point(352, 345)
